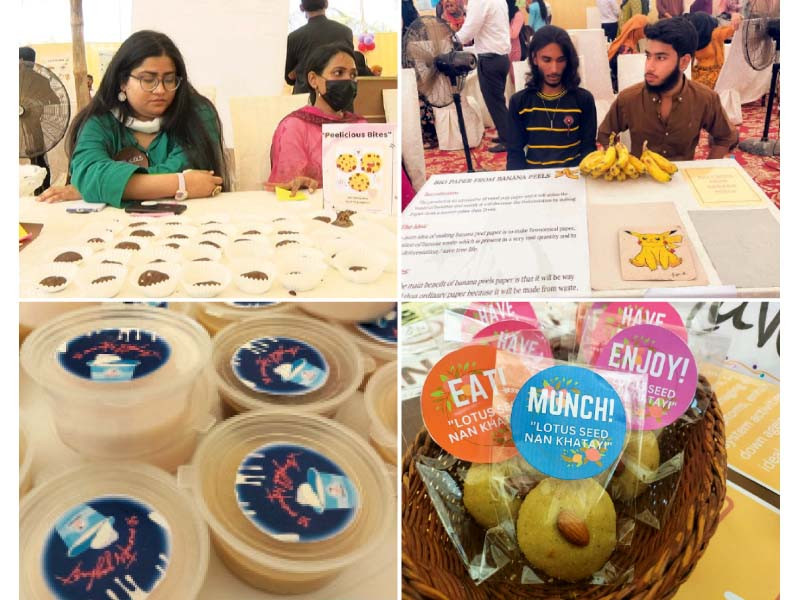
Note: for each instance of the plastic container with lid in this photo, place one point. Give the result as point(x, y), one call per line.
point(285, 361)
point(333, 500)
point(217, 315)
point(96, 528)
point(120, 379)
point(25, 461)
point(377, 339)
point(348, 312)
point(380, 398)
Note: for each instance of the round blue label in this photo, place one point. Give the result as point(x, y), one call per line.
point(251, 304)
point(109, 547)
point(383, 329)
point(295, 494)
point(114, 354)
point(568, 422)
point(281, 366)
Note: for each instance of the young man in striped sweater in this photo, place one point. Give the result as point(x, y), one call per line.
point(553, 121)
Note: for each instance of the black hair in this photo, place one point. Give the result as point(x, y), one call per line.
point(677, 32)
point(550, 34)
point(512, 9)
point(313, 5)
point(27, 53)
point(319, 58)
point(704, 24)
point(181, 119)
point(542, 10)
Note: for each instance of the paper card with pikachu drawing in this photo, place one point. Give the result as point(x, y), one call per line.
point(656, 254)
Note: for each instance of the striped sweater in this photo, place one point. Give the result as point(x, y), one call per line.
point(551, 131)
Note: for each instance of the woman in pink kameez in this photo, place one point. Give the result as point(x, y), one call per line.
point(296, 152)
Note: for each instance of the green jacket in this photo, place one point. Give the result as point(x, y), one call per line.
point(100, 178)
point(631, 8)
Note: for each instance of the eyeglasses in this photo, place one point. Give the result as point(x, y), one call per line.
point(150, 83)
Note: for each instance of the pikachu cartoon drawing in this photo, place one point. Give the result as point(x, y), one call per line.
point(658, 249)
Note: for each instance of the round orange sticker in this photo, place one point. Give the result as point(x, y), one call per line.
point(466, 407)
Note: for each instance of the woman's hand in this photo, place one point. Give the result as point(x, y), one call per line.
point(294, 185)
point(202, 184)
point(59, 193)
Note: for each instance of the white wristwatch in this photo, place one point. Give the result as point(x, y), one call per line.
point(181, 194)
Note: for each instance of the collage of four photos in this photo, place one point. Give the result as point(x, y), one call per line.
point(419, 299)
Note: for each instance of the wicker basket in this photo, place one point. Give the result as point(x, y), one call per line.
point(663, 558)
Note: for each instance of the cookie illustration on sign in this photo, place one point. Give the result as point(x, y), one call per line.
point(359, 182)
point(346, 163)
point(371, 163)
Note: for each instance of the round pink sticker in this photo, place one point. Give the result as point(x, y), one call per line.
point(518, 337)
point(619, 315)
point(666, 360)
point(479, 314)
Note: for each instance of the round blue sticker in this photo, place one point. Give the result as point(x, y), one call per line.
point(114, 354)
point(383, 329)
point(295, 494)
point(568, 422)
point(251, 304)
point(109, 547)
point(282, 366)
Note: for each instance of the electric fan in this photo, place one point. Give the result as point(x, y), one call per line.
point(441, 67)
point(43, 110)
point(762, 44)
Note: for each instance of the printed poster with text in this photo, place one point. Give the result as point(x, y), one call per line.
point(358, 167)
point(516, 233)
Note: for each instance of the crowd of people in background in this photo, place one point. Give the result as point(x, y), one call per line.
point(552, 121)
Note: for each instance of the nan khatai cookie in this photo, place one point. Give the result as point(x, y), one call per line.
point(359, 182)
point(640, 458)
point(371, 163)
point(568, 529)
point(346, 163)
point(492, 493)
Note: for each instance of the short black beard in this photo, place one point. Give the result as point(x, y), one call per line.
point(543, 80)
point(667, 84)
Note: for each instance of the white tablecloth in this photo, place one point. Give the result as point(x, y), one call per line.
point(61, 229)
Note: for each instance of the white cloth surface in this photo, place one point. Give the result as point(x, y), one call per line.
point(447, 131)
point(413, 151)
point(591, 45)
point(738, 82)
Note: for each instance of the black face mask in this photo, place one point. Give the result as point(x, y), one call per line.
point(340, 93)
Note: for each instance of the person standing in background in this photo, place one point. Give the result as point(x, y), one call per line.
point(701, 6)
point(487, 25)
point(537, 14)
point(728, 8)
point(609, 15)
point(516, 20)
point(628, 9)
point(669, 8)
point(317, 32)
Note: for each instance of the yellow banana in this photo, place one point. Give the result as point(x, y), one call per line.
point(663, 163)
point(608, 176)
point(654, 170)
point(621, 176)
point(637, 164)
point(611, 154)
point(630, 170)
point(614, 170)
point(622, 155)
point(591, 160)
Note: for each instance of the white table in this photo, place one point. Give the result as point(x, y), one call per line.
point(60, 229)
point(368, 580)
point(677, 191)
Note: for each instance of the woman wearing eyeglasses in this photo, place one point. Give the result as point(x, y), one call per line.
point(147, 133)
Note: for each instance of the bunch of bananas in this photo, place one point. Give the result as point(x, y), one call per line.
point(616, 162)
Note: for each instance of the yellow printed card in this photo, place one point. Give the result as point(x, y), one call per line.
point(751, 408)
point(742, 561)
point(721, 186)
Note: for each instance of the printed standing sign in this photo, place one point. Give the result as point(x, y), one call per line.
point(669, 365)
point(107, 547)
point(295, 494)
point(568, 422)
point(358, 167)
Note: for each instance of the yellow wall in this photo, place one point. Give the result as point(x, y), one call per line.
point(385, 53)
point(571, 14)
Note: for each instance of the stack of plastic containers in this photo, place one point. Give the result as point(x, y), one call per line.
point(111, 531)
point(124, 382)
point(291, 500)
point(285, 361)
point(25, 461)
point(381, 401)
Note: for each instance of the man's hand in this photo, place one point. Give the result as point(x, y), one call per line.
point(59, 193)
point(294, 185)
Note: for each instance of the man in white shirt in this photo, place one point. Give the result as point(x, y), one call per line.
point(609, 15)
point(487, 24)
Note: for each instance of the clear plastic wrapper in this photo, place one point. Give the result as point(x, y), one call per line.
point(530, 445)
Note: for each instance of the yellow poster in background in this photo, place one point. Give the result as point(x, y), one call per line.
point(742, 561)
point(751, 409)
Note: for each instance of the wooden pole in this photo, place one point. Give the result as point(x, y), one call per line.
point(79, 53)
